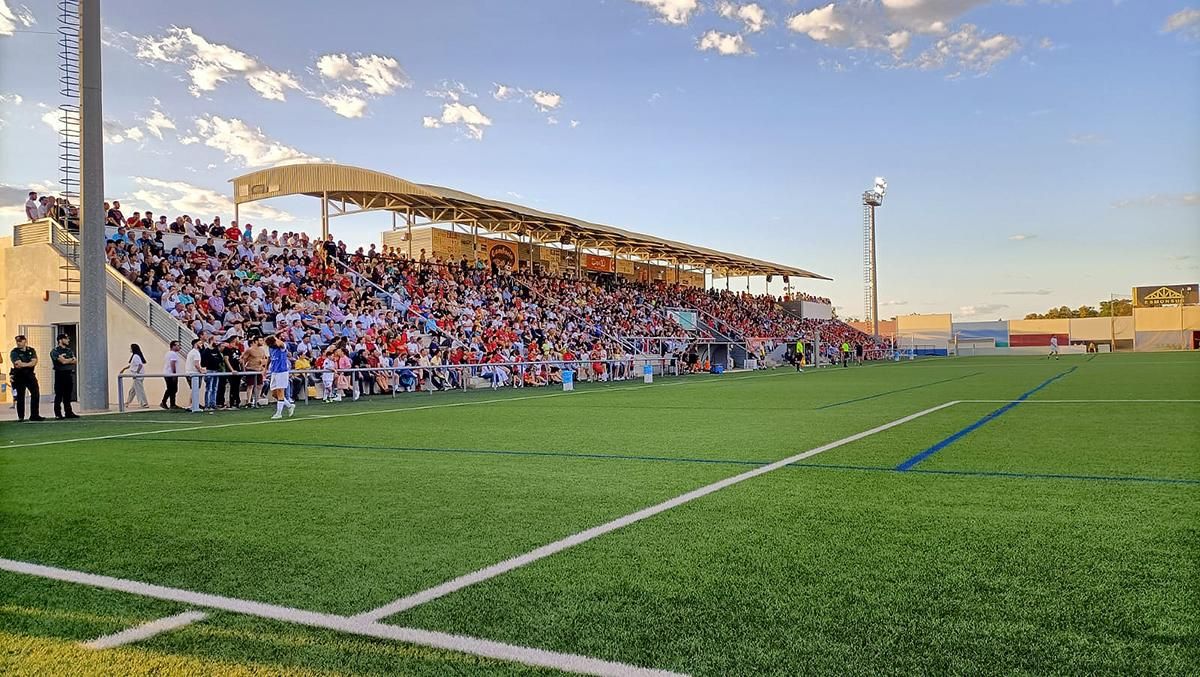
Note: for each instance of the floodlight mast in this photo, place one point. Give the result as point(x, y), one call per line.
point(871, 199)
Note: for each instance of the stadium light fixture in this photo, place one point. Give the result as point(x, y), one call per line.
point(871, 199)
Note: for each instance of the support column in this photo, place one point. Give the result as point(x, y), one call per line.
point(92, 369)
point(324, 216)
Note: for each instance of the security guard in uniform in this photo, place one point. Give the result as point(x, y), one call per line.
point(24, 359)
point(63, 359)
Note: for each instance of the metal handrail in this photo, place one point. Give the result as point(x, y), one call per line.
point(664, 362)
point(150, 312)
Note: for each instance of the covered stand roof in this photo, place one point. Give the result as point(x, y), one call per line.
point(375, 191)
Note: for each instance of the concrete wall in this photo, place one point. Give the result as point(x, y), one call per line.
point(29, 295)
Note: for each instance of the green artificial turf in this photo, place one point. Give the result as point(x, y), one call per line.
point(1054, 538)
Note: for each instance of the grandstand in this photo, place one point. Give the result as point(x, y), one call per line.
point(521, 288)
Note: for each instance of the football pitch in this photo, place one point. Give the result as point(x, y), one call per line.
point(977, 515)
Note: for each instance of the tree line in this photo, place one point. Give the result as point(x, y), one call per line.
point(1115, 307)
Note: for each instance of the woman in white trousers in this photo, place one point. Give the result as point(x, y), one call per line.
point(137, 367)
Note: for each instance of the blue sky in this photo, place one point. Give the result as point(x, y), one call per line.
point(1038, 152)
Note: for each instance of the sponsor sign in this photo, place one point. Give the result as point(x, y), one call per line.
point(1165, 295)
point(603, 264)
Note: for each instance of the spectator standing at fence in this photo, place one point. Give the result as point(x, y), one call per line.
point(24, 359)
point(213, 363)
point(62, 358)
point(255, 360)
point(231, 354)
point(194, 368)
point(171, 367)
point(278, 367)
point(136, 367)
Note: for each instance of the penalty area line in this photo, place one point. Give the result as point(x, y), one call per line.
point(466, 580)
point(437, 640)
point(146, 630)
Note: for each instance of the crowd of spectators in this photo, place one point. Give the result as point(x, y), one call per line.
point(338, 309)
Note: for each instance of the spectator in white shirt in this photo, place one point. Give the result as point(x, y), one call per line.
point(32, 208)
point(171, 366)
point(193, 369)
point(137, 367)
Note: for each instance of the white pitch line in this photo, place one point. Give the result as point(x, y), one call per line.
point(372, 412)
point(573, 540)
point(438, 640)
point(146, 630)
point(1033, 401)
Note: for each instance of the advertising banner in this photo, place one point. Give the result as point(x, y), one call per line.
point(502, 253)
point(1166, 295)
point(603, 264)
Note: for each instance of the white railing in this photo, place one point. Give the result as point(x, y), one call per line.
point(146, 309)
point(631, 367)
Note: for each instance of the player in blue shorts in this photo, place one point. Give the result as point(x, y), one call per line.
point(278, 379)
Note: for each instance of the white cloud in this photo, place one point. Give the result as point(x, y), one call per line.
point(134, 134)
point(185, 198)
point(158, 121)
point(451, 90)
point(13, 18)
point(14, 99)
point(898, 42)
point(245, 144)
point(891, 25)
point(752, 15)
point(676, 12)
point(1019, 237)
point(967, 49)
point(1186, 22)
point(1085, 139)
point(210, 64)
point(546, 101)
point(725, 44)
point(188, 140)
point(503, 92)
point(551, 120)
point(983, 309)
point(1161, 200)
point(574, 124)
point(823, 24)
point(469, 118)
point(380, 75)
point(347, 103)
point(53, 119)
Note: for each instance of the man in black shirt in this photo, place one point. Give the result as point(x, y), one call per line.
point(214, 364)
point(63, 360)
point(231, 352)
point(24, 359)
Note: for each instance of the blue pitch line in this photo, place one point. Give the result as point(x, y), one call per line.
point(908, 465)
point(998, 473)
point(486, 452)
point(673, 459)
point(898, 390)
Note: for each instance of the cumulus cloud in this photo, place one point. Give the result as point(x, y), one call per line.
point(14, 17)
point(246, 145)
point(543, 100)
point(346, 103)
point(982, 309)
point(725, 44)
point(967, 49)
point(752, 15)
point(676, 12)
point(156, 122)
point(1160, 200)
point(469, 119)
point(209, 64)
point(891, 25)
point(185, 198)
point(380, 75)
point(1185, 22)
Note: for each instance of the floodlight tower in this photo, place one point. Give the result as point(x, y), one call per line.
point(871, 199)
point(82, 167)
